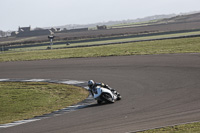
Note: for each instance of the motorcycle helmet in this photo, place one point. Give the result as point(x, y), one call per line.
point(91, 83)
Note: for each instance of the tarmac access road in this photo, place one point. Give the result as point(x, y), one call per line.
point(157, 91)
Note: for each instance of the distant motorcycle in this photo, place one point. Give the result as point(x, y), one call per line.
point(103, 95)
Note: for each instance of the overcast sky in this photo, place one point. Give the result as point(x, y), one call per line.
point(49, 13)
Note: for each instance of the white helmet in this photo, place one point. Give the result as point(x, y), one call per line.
point(91, 83)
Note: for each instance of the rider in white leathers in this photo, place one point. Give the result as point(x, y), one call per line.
point(92, 85)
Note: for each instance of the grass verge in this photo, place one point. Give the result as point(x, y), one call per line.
point(23, 100)
point(185, 45)
point(185, 128)
point(103, 41)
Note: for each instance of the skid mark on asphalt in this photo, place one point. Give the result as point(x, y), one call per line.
point(85, 103)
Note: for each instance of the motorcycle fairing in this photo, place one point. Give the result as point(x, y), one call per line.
point(100, 90)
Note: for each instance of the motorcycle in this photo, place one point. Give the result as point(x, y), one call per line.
point(103, 95)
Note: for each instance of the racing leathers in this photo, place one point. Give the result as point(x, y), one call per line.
point(104, 86)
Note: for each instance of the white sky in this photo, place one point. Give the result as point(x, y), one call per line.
point(47, 13)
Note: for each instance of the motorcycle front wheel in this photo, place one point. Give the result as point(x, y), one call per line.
point(107, 98)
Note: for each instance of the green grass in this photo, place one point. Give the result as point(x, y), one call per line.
point(185, 45)
point(134, 24)
point(185, 128)
point(23, 100)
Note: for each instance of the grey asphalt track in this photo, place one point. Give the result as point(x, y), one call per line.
point(157, 90)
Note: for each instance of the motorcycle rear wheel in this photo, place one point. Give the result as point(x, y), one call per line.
point(99, 102)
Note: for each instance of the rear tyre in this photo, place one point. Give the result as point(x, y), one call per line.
point(99, 102)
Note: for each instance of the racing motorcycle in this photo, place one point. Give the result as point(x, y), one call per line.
point(103, 95)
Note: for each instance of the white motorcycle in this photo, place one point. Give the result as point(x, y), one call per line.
point(104, 95)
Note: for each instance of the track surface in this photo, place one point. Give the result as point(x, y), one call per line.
point(157, 90)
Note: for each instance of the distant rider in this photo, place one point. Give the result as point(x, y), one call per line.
point(92, 85)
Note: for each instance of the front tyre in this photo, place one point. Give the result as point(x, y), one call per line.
point(107, 98)
point(119, 97)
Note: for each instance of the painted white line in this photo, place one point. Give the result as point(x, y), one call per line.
point(17, 123)
point(87, 88)
point(35, 80)
point(72, 82)
point(4, 79)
